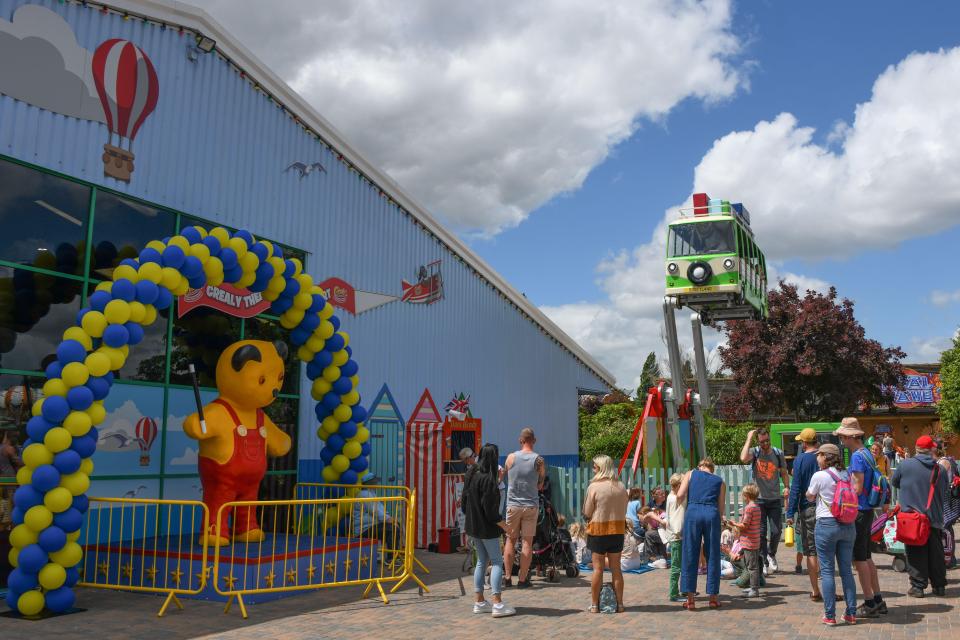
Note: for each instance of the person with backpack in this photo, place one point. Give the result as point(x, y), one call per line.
point(837, 507)
point(872, 490)
point(923, 486)
point(769, 467)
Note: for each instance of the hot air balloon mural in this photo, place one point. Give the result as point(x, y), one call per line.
point(146, 432)
point(128, 88)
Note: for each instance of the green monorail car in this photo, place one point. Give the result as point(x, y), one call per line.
point(714, 265)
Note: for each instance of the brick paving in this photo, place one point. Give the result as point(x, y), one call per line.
point(548, 610)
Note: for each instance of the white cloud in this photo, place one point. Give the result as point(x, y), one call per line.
point(802, 282)
point(189, 458)
point(485, 111)
point(893, 177)
point(944, 298)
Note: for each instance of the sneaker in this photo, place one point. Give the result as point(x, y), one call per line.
point(482, 607)
point(937, 591)
point(502, 611)
point(766, 570)
point(524, 584)
point(850, 619)
point(867, 610)
point(678, 599)
point(507, 582)
point(798, 570)
point(913, 592)
point(751, 593)
point(830, 622)
point(774, 567)
point(882, 606)
point(659, 564)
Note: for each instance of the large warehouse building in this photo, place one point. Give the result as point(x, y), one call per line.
point(122, 123)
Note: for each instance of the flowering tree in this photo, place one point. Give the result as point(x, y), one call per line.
point(810, 358)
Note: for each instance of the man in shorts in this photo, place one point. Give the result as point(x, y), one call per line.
point(861, 470)
point(769, 468)
point(803, 510)
point(526, 471)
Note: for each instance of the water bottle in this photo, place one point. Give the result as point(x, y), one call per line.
point(788, 536)
point(608, 599)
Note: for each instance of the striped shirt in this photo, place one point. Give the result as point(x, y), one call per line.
point(750, 529)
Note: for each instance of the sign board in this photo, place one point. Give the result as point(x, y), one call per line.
point(231, 300)
point(918, 390)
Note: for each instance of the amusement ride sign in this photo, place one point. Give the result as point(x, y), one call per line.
point(226, 298)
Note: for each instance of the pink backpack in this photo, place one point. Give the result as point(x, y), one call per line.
point(845, 505)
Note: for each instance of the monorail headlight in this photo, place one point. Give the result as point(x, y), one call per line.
point(672, 267)
point(699, 272)
point(728, 264)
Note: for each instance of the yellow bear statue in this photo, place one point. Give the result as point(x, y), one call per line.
point(238, 436)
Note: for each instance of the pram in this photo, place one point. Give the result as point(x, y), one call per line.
point(883, 536)
point(552, 546)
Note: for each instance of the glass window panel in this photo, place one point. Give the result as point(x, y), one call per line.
point(200, 337)
point(122, 228)
point(44, 219)
point(17, 395)
point(702, 238)
point(35, 309)
point(284, 413)
point(271, 331)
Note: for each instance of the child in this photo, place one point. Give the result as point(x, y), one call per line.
point(630, 556)
point(578, 538)
point(749, 527)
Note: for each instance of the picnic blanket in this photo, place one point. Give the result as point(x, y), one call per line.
point(642, 569)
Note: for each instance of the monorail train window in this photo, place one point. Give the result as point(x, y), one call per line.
point(122, 228)
point(44, 219)
point(701, 238)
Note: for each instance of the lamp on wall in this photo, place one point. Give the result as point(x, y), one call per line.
point(205, 43)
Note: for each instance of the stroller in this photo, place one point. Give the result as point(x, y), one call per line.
point(552, 546)
point(883, 537)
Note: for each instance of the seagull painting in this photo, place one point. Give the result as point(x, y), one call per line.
point(305, 169)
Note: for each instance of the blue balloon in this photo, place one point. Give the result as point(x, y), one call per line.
point(20, 582)
point(359, 464)
point(116, 335)
point(335, 321)
point(349, 368)
point(191, 267)
point(244, 235)
point(100, 387)
point(149, 255)
point(84, 445)
point(123, 289)
point(70, 351)
point(335, 442)
point(12, 597)
point(348, 429)
point(147, 292)
point(79, 398)
point(26, 443)
point(37, 427)
point(265, 270)
point(321, 411)
point(331, 400)
point(52, 539)
point(334, 343)
point(314, 370)
point(280, 305)
point(70, 520)
point(348, 477)
point(318, 302)
point(67, 462)
point(229, 258)
point(289, 268)
point(198, 281)
point(60, 600)
point(32, 558)
point(326, 455)
point(54, 370)
point(259, 285)
point(98, 300)
point(55, 409)
point(73, 577)
point(292, 288)
point(324, 359)
point(191, 234)
point(233, 275)
point(310, 322)
point(348, 350)
point(134, 333)
point(358, 414)
point(298, 336)
point(342, 385)
point(173, 256)
point(16, 515)
point(44, 478)
point(164, 298)
point(213, 244)
point(29, 495)
point(81, 503)
point(260, 250)
point(129, 262)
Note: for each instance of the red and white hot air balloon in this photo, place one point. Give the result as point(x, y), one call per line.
point(128, 88)
point(146, 432)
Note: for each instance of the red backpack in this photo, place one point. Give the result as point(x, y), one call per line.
point(845, 505)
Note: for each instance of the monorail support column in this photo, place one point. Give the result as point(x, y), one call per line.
point(677, 382)
point(701, 362)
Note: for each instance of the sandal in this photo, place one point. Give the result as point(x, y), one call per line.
point(816, 597)
point(594, 609)
point(714, 603)
point(690, 605)
point(621, 608)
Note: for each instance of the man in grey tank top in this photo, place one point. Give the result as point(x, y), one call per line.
point(526, 471)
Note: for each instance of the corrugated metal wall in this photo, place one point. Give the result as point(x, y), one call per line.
point(216, 148)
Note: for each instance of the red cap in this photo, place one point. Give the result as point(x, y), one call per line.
point(925, 442)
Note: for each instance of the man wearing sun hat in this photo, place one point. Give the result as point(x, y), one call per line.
point(861, 469)
point(914, 477)
point(804, 466)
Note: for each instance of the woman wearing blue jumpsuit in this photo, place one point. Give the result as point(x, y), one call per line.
point(705, 494)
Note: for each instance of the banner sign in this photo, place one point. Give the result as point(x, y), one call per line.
point(236, 302)
point(340, 293)
point(918, 390)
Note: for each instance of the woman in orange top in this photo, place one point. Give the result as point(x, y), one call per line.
point(603, 509)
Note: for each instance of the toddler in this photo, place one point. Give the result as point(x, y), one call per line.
point(749, 527)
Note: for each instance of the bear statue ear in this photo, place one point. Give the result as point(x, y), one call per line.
point(243, 355)
point(281, 349)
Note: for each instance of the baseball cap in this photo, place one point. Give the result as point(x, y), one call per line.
point(807, 435)
point(925, 442)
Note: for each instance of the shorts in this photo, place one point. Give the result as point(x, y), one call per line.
point(521, 522)
point(612, 543)
point(861, 546)
point(806, 522)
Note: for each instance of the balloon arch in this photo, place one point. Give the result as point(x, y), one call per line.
point(50, 503)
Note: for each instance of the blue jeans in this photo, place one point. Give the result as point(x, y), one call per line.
point(835, 542)
point(488, 551)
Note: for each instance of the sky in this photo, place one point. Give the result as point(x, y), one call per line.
point(558, 137)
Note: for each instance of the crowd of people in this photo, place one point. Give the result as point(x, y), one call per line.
point(830, 505)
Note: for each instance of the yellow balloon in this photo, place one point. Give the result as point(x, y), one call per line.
point(302, 301)
point(59, 499)
point(340, 357)
point(222, 235)
point(246, 280)
point(76, 483)
point(93, 323)
point(170, 278)
point(24, 475)
point(78, 334)
point(98, 364)
point(314, 343)
point(340, 463)
point(179, 241)
point(239, 245)
point(54, 387)
point(321, 387)
point(96, 412)
point(249, 262)
point(57, 439)
point(305, 354)
point(36, 454)
point(105, 286)
point(200, 251)
point(326, 312)
point(78, 423)
point(276, 284)
point(306, 282)
point(330, 424)
point(156, 245)
point(331, 374)
point(150, 316)
point(73, 537)
point(126, 271)
point(115, 356)
point(363, 434)
point(352, 449)
point(52, 576)
point(342, 413)
point(69, 556)
point(22, 535)
point(330, 474)
point(269, 296)
point(183, 286)
point(12, 556)
point(278, 266)
point(324, 330)
point(355, 381)
point(38, 518)
point(37, 407)
point(137, 311)
point(117, 312)
point(30, 603)
point(151, 272)
point(350, 398)
point(75, 374)
point(297, 266)
point(291, 318)
point(86, 466)
point(345, 336)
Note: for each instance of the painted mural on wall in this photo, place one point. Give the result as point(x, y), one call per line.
point(427, 290)
point(41, 63)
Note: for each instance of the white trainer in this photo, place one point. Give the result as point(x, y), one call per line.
point(482, 607)
point(773, 564)
point(503, 610)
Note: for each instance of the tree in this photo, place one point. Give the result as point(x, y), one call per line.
point(649, 375)
point(724, 440)
point(810, 358)
point(949, 406)
point(607, 431)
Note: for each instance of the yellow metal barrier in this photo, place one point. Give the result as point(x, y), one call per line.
point(297, 545)
point(150, 546)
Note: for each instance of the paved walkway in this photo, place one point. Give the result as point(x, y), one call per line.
point(547, 611)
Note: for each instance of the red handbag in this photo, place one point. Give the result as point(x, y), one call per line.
point(913, 527)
